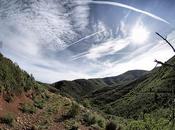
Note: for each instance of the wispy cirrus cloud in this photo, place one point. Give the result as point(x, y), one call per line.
point(137, 60)
point(33, 31)
point(109, 47)
point(43, 36)
point(80, 15)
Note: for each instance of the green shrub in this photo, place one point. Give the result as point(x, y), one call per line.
point(89, 118)
point(28, 108)
point(92, 119)
point(39, 104)
point(86, 103)
point(8, 97)
point(101, 122)
point(7, 119)
point(149, 123)
point(74, 110)
point(51, 110)
point(108, 110)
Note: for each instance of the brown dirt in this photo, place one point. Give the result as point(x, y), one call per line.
point(13, 106)
point(25, 121)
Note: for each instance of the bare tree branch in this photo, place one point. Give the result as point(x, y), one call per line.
point(165, 64)
point(166, 41)
point(172, 66)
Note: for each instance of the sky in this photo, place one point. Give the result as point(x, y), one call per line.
point(65, 40)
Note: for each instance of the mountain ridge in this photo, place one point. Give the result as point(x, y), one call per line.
point(26, 104)
point(81, 87)
point(142, 103)
point(144, 95)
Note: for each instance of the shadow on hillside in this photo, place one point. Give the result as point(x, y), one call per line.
point(62, 118)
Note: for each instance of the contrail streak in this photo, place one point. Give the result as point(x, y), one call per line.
point(118, 5)
point(81, 55)
point(93, 34)
point(129, 7)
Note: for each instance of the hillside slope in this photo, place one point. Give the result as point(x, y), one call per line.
point(143, 103)
point(13, 80)
point(28, 105)
point(146, 101)
point(82, 87)
point(144, 95)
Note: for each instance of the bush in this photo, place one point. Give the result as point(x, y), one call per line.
point(39, 104)
point(86, 103)
point(7, 119)
point(149, 122)
point(100, 122)
point(89, 118)
point(74, 111)
point(92, 119)
point(8, 97)
point(109, 110)
point(28, 108)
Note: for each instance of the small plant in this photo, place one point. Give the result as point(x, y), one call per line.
point(89, 119)
point(7, 119)
point(92, 119)
point(74, 110)
point(108, 110)
point(28, 108)
point(51, 110)
point(86, 103)
point(101, 122)
point(43, 125)
point(39, 104)
point(74, 128)
point(8, 97)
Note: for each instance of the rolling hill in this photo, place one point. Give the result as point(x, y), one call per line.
point(82, 87)
point(134, 100)
point(146, 94)
point(26, 104)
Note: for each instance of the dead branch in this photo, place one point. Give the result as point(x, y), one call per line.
point(166, 41)
point(172, 66)
point(165, 64)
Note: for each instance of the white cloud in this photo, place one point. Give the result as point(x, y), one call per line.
point(32, 30)
point(139, 59)
point(49, 20)
point(105, 35)
point(109, 47)
point(80, 15)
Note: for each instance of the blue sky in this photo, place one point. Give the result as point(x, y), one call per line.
point(65, 40)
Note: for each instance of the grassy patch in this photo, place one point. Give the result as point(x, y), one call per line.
point(7, 119)
point(8, 97)
point(39, 104)
point(28, 108)
point(93, 118)
point(74, 110)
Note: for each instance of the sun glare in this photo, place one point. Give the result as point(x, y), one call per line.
point(139, 34)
